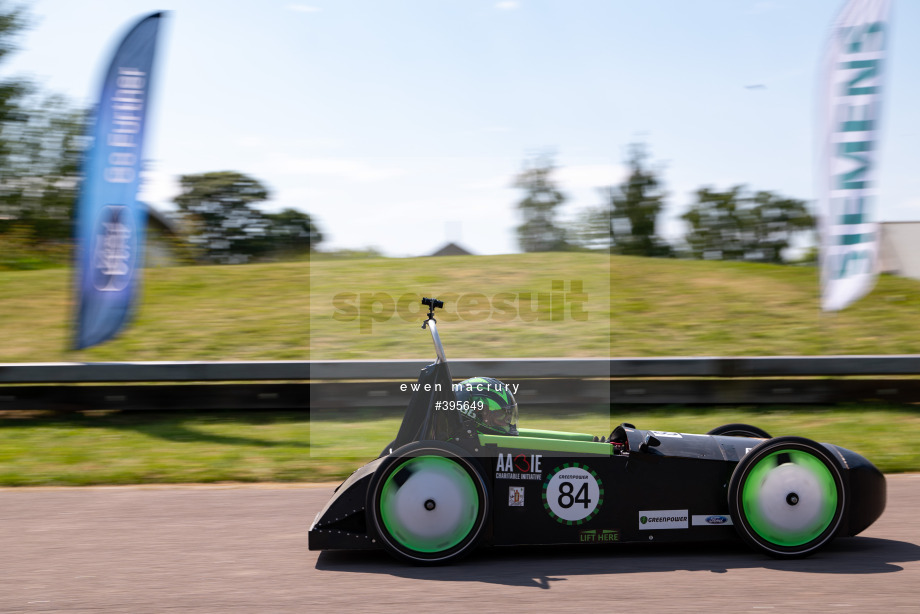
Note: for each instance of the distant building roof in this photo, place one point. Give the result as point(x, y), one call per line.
point(159, 219)
point(452, 249)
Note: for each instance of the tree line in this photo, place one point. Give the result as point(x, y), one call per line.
point(43, 142)
point(42, 145)
point(734, 224)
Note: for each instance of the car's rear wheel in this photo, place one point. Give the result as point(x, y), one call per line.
point(428, 503)
point(787, 497)
point(736, 429)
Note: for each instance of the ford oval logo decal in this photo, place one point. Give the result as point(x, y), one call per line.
point(716, 520)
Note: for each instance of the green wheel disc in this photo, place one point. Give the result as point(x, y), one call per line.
point(789, 497)
point(429, 503)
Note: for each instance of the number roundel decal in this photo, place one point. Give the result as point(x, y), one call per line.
point(572, 493)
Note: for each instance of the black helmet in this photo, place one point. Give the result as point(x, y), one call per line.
point(489, 403)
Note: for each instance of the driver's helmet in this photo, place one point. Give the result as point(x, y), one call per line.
point(489, 403)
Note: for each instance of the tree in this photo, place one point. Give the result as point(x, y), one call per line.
point(634, 207)
point(737, 225)
point(40, 175)
point(220, 218)
point(293, 232)
point(12, 22)
point(539, 232)
point(626, 221)
point(591, 230)
point(41, 146)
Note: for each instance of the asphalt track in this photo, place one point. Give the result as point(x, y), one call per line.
point(225, 549)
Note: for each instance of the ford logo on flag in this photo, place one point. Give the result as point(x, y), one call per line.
point(113, 249)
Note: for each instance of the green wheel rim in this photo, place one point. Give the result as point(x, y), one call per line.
point(429, 481)
point(789, 497)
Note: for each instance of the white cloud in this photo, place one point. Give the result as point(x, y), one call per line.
point(507, 5)
point(579, 182)
point(590, 175)
point(496, 130)
point(263, 142)
point(496, 182)
point(342, 168)
point(303, 8)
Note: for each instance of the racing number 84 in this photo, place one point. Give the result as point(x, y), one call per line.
point(566, 500)
point(573, 493)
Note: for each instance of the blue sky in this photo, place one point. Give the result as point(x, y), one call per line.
point(401, 124)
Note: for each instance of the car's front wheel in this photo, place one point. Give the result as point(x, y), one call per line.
point(428, 503)
point(787, 497)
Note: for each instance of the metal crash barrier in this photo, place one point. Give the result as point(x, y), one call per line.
point(295, 385)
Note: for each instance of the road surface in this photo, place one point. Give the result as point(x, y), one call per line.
point(243, 549)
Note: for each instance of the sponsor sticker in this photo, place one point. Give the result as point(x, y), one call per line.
point(599, 536)
point(663, 519)
point(520, 467)
point(711, 520)
point(666, 434)
point(516, 496)
point(573, 493)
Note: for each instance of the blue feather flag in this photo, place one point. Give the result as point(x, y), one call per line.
point(110, 221)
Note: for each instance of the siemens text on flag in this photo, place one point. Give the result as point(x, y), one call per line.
point(847, 171)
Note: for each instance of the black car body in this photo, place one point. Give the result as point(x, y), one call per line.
point(441, 488)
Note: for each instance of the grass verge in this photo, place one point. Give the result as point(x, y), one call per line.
point(144, 448)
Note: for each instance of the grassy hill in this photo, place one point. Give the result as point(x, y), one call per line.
point(344, 309)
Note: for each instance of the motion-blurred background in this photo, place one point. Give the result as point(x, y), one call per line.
point(587, 179)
